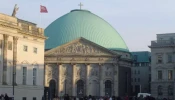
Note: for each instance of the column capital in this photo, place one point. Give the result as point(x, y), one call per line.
point(114, 64)
point(5, 36)
point(87, 64)
point(100, 64)
point(72, 64)
point(15, 38)
point(59, 64)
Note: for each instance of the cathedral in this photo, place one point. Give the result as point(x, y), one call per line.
point(85, 55)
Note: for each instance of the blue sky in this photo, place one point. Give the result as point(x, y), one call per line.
point(137, 21)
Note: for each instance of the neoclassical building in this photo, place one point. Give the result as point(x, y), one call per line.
point(85, 56)
point(21, 58)
point(162, 66)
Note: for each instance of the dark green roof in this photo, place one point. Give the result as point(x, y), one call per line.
point(142, 56)
point(83, 23)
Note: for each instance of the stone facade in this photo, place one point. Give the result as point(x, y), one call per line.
point(162, 66)
point(82, 67)
point(141, 72)
point(14, 35)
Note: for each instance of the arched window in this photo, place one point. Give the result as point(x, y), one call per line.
point(108, 88)
point(159, 90)
point(170, 90)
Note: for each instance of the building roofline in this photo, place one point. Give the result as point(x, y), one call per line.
point(165, 33)
point(27, 21)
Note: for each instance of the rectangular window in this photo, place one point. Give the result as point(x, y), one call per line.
point(146, 64)
point(138, 71)
point(25, 48)
point(142, 64)
point(137, 64)
point(159, 59)
point(9, 45)
point(34, 50)
point(170, 58)
point(34, 98)
point(135, 57)
point(170, 74)
point(34, 76)
point(24, 98)
point(138, 79)
point(24, 75)
point(135, 80)
point(159, 75)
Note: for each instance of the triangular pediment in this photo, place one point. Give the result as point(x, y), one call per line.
point(80, 46)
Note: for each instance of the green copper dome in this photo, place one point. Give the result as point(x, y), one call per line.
point(83, 23)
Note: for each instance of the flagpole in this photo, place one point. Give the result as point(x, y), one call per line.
point(40, 16)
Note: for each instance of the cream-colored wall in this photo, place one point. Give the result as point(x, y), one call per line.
point(28, 93)
point(28, 59)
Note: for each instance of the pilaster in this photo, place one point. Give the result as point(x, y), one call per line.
point(115, 80)
point(15, 39)
point(4, 79)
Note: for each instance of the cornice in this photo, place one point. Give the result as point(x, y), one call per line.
point(30, 34)
point(13, 27)
point(8, 26)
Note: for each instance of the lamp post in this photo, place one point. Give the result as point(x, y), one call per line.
point(140, 88)
point(65, 86)
point(13, 84)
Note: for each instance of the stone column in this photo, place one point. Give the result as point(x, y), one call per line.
point(73, 80)
point(58, 89)
point(59, 80)
point(15, 39)
point(87, 79)
point(4, 79)
point(101, 80)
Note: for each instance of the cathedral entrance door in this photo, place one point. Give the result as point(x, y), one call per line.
point(52, 89)
point(80, 88)
point(108, 88)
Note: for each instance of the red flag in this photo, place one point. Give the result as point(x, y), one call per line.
point(43, 9)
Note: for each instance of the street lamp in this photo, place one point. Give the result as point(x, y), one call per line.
point(65, 86)
point(13, 82)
